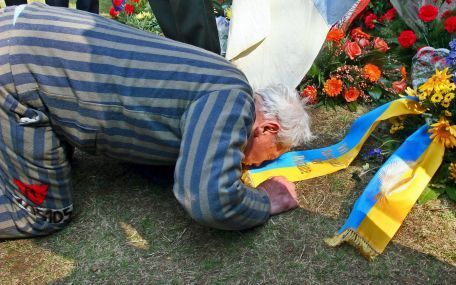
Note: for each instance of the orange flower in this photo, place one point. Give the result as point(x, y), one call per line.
point(310, 92)
point(444, 133)
point(351, 94)
point(372, 72)
point(335, 35)
point(333, 87)
point(403, 73)
point(357, 33)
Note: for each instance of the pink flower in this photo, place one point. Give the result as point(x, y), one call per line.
point(352, 49)
point(399, 86)
point(363, 43)
point(380, 45)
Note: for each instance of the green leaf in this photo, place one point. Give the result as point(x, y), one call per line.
point(313, 71)
point(429, 194)
point(352, 106)
point(375, 92)
point(451, 192)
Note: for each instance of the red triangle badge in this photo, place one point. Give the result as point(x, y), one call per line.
point(34, 192)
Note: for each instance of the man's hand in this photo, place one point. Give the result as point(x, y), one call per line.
point(282, 194)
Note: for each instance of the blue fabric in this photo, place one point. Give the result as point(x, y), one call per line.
point(333, 10)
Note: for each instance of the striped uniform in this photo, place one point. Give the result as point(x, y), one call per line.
point(70, 76)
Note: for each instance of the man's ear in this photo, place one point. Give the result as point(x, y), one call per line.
point(270, 127)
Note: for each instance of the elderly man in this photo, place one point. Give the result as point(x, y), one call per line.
point(70, 77)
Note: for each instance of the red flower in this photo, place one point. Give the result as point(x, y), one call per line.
point(357, 33)
point(310, 92)
point(117, 3)
point(388, 16)
point(369, 20)
point(428, 13)
point(352, 49)
point(407, 38)
point(351, 94)
point(447, 14)
point(449, 1)
point(399, 86)
point(129, 9)
point(450, 24)
point(113, 12)
point(380, 45)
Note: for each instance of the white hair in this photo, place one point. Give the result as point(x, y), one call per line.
point(289, 109)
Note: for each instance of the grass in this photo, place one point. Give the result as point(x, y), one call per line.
point(129, 229)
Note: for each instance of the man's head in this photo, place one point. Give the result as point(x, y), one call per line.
point(281, 123)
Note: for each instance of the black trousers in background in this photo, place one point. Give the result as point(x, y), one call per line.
point(15, 2)
point(188, 21)
point(85, 5)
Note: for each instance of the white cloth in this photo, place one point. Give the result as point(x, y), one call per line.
point(276, 41)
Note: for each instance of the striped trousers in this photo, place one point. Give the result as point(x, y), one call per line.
point(35, 196)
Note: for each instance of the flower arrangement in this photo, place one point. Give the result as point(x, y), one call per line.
point(135, 13)
point(360, 70)
point(436, 96)
point(411, 25)
point(435, 90)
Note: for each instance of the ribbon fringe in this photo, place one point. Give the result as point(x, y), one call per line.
point(356, 240)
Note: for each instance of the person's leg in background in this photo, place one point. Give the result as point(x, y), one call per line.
point(85, 5)
point(15, 2)
point(58, 3)
point(188, 21)
point(88, 5)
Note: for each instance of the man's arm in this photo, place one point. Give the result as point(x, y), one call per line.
point(207, 177)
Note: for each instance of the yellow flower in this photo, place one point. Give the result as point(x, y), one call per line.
point(444, 133)
point(445, 104)
point(452, 170)
point(436, 98)
point(422, 96)
point(449, 96)
point(411, 92)
point(397, 124)
point(448, 113)
point(439, 82)
point(228, 13)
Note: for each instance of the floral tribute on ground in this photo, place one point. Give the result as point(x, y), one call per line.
point(401, 57)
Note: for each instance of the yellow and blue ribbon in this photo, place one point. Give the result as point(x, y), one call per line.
point(389, 196)
point(306, 164)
